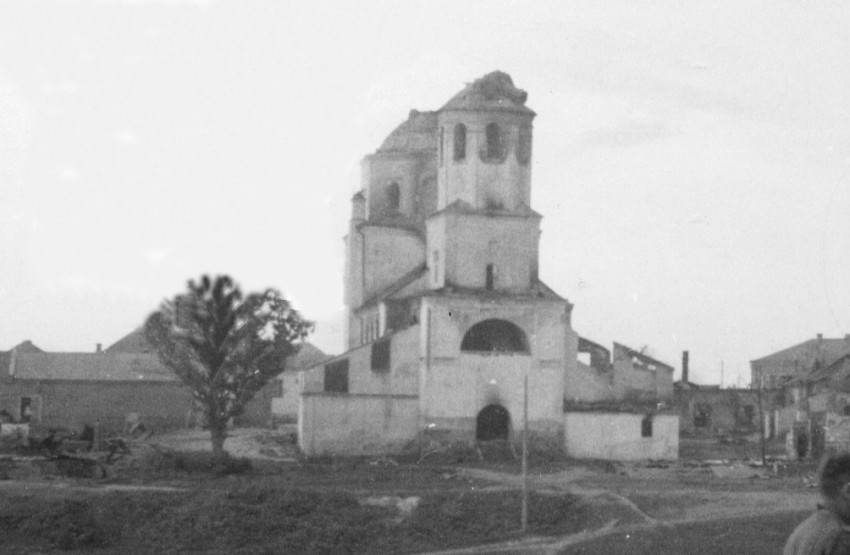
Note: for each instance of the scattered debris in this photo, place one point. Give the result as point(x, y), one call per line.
point(384, 461)
point(404, 505)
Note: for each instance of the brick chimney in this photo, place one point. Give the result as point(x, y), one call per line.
point(684, 367)
point(98, 348)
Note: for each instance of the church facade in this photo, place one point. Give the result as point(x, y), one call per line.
point(450, 331)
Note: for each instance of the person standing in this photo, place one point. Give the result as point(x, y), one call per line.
point(827, 530)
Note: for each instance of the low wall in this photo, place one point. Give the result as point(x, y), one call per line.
point(617, 436)
point(161, 405)
point(352, 424)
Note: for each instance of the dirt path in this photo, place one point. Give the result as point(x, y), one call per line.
point(676, 506)
point(14, 486)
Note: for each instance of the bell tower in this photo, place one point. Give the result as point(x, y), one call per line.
point(484, 151)
point(484, 235)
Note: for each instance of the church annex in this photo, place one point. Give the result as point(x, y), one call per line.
point(446, 314)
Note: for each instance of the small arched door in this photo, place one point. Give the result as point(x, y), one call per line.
point(493, 422)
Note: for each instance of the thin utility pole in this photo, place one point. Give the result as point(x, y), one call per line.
point(761, 421)
point(524, 524)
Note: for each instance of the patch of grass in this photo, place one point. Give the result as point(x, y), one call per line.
point(258, 518)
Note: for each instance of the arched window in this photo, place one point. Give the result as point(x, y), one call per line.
point(494, 142)
point(495, 336)
point(393, 196)
point(460, 141)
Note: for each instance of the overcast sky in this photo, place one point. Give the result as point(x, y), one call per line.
point(691, 159)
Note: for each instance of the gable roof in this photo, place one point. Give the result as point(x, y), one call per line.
point(804, 355)
point(133, 342)
point(308, 356)
point(27, 346)
point(128, 367)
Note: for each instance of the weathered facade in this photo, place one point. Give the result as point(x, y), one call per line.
point(69, 390)
point(809, 385)
point(447, 319)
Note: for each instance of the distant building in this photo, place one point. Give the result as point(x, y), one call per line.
point(446, 313)
point(813, 384)
point(778, 369)
point(69, 390)
point(710, 410)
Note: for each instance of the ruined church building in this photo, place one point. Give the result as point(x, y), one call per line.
point(446, 314)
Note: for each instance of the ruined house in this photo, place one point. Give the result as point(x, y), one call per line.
point(800, 378)
point(448, 323)
point(708, 410)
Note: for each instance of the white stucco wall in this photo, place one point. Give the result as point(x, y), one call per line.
point(462, 387)
point(342, 424)
point(455, 385)
point(475, 180)
point(617, 436)
point(285, 407)
point(402, 378)
point(390, 253)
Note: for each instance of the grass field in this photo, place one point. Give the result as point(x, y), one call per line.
point(164, 501)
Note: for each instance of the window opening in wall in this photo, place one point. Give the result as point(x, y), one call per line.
point(749, 414)
point(381, 355)
point(702, 415)
point(460, 142)
point(393, 196)
point(495, 336)
point(646, 426)
point(26, 410)
point(489, 278)
point(336, 376)
point(494, 142)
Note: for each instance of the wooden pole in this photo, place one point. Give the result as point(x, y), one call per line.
point(761, 424)
point(524, 525)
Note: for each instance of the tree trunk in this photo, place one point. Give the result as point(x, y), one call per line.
point(218, 433)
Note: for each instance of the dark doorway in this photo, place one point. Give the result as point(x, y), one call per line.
point(493, 422)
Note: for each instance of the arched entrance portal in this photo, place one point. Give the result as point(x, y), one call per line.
point(493, 422)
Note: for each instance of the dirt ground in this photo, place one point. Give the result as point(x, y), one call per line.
point(166, 498)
